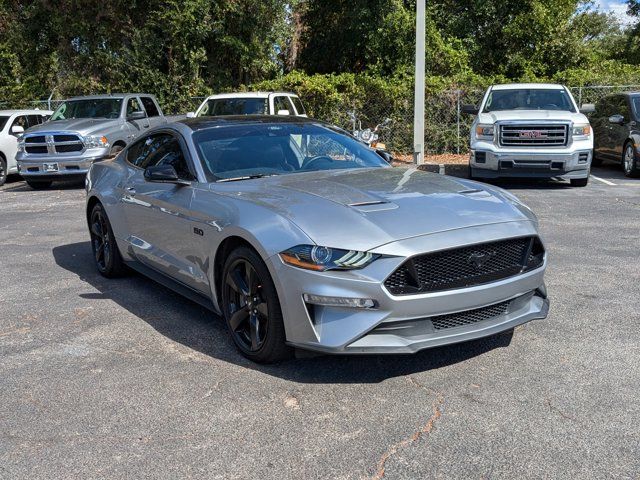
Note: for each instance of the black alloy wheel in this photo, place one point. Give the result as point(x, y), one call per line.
point(105, 251)
point(251, 308)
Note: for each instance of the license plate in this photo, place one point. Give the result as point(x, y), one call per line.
point(50, 167)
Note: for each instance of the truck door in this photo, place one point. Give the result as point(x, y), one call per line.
point(136, 117)
point(153, 112)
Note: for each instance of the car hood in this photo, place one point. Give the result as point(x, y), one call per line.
point(365, 208)
point(83, 126)
point(531, 115)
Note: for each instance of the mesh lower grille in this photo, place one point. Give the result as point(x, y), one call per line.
point(470, 316)
point(466, 266)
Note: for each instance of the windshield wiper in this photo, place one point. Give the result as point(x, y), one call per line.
point(247, 177)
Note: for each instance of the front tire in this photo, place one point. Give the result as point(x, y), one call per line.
point(103, 244)
point(38, 184)
point(251, 308)
point(3, 170)
point(629, 163)
point(579, 182)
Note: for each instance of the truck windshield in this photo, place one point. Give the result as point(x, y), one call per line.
point(88, 108)
point(528, 99)
point(235, 106)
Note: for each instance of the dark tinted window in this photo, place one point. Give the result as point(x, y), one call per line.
point(528, 99)
point(235, 106)
point(3, 122)
point(150, 107)
point(20, 120)
point(622, 107)
point(133, 105)
point(281, 103)
point(636, 106)
point(35, 120)
point(160, 149)
point(298, 104)
point(606, 107)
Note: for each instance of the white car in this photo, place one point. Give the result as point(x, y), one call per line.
point(531, 130)
point(13, 123)
point(250, 103)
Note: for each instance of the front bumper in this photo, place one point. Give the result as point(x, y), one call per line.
point(489, 161)
point(34, 166)
point(403, 324)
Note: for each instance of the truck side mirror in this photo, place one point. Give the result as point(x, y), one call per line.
point(17, 130)
point(470, 109)
point(138, 115)
point(191, 114)
point(616, 119)
point(284, 113)
point(587, 108)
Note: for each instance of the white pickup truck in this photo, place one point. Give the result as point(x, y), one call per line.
point(531, 130)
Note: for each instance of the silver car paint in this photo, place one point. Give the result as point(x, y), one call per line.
point(119, 130)
point(418, 212)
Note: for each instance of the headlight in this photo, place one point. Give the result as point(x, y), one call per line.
point(485, 132)
point(21, 145)
point(92, 141)
point(581, 130)
point(320, 259)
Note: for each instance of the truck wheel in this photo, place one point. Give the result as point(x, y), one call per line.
point(3, 170)
point(38, 185)
point(629, 162)
point(579, 182)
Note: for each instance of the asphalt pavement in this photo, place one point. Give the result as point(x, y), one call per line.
point(121, 379)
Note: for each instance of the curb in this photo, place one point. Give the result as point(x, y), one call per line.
point(455, 170)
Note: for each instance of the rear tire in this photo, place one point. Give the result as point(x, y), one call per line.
point(103, 244)
point(3, 170)
point(39, 185)
point(629, 161)
point(579, 182)
point(251, 308)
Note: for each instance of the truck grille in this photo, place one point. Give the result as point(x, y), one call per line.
point(533, 135)
point(466, 267)
point(53, 143)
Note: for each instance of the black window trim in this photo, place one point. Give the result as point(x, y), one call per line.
point(183, 145)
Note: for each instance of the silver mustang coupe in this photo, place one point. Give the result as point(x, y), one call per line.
point(300, 236)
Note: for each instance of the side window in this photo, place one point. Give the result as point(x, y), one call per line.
point(298, 104)
point(139, 153)
point(35, 120)
point(20, 120)
point(150, 107)
point(133, 105)
point(282, 103)
point(159, 149)
point(623, 107)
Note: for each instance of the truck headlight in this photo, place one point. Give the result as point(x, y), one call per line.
point(21, 145)
point(485, 132)
point(93, 141)
point(581, 130)
point(320, 259)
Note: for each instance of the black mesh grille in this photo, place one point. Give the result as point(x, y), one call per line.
point(467, 266)
point(36, 149)
point(76, 147)
point(38, 139)
point(470, 316)
point(66, 138)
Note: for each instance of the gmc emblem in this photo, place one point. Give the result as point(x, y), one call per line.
point(531, 134)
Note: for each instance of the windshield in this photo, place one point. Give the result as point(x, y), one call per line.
point(3, 121)
point(89, 108)
point(528, 99)
point(235, 106)
point(279, 149)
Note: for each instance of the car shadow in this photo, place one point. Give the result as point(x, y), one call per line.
point(189, 324)
point(15, 183)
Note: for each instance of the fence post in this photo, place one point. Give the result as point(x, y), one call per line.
point(580, 97)
point(458, 121)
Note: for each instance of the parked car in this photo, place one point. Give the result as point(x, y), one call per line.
point(301, 236)
point(617, 135)
point(13, 123)
point(250, 103)
point(84, 130)
point(531, 130)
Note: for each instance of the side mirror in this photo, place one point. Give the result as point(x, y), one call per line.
point(470, 109)
point(385, 155)
point(587, 108)
point(284, 113)
point(17, 130)
point(616, 119)
point(191, 114)
point(139, 115)
point(163, 174)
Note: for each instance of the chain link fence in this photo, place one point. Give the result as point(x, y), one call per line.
point(447, 129)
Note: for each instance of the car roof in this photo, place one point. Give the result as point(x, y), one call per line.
point(202, 123)
point(544, 86)
point(110, 95)
point(248, 95)
point(26, 112)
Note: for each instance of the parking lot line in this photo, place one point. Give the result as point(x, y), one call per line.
point(603, 180)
